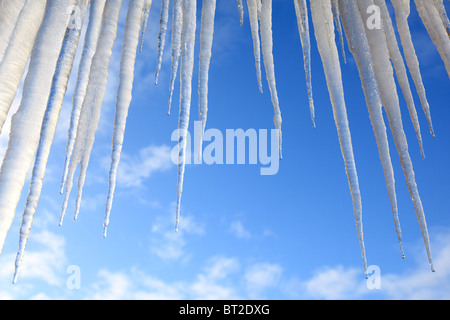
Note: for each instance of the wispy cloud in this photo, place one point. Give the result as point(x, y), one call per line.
point(168, 244)
point(416, 284)
point(262, 276)
point(238, 230)
point(134, 169)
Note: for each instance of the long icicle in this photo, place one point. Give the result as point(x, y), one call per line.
point(254, 25)
point(26, 123)
point(9, 15)
point(145, 16)
point(432, 20)
point(126, 77)
point(59, 87)
point(90, 114)
point(90, 44)
point(162, 35)
point(187, 66)
point(17, 53)
point(301, 11)
point(337, 21)
point(439, 4)
point(323, 17)
point(359, 46)
point(177, 27)
point(241, 12)
point(402, 10)
point(267, 46)
point(389, 98)
point(400, 69)
point(206, 41)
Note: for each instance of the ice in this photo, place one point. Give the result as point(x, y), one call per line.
point(402, 10)
point(9, 13)
point(145, 16)
point(324, 32)
point(90, 112)
point(126, 77)
point(16, 54)
point(432, 19)
point(42, 33)
point(267, 46)
point(162, 35)
point(26, 123)
point(337, 22)
point(400, 69)
point(187, 66)
point(241, 12)
point(206, 41)
point(359, 46)
point(301, 11)
point(254, 25)
point(388, 92)
point(49, 123)
point(90, 44)
point(439, 4)
point(177, 28)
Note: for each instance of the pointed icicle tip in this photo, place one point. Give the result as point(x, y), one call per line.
point(15, 277)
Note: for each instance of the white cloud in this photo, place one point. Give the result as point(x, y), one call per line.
point(112, 286)
point(133, 170)
point(48, 263)
point(214, 282)
point(43, 266)
point(335, 283)
point(262, 276)
point(168, 244)
point(239, 231)
point(418, 283)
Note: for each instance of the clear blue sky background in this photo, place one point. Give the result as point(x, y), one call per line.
point(243, 235)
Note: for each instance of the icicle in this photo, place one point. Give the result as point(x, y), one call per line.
point(59, 87)
point(402, 10)
point(145, 16)
point(162, 35)
point(177, 25)
point(90, 44)
point(187, 66)
point(241, 12)
point(267, 45)
point(431, 18)
point(258, 6)
point(90, 112)
point(126, 77)
point(337, 21)
point(26, 123)
point(254, 25)
point(359, 46)
point(301, 11)
point(389, 98)
point(439, 4)
point(400, 69)
point(323, 17)
point(206, 40)
point(16, 55)
point(9, 14)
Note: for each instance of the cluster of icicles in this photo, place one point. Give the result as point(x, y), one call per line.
point(46, 33)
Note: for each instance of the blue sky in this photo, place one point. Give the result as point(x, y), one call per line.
point(242, 235)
